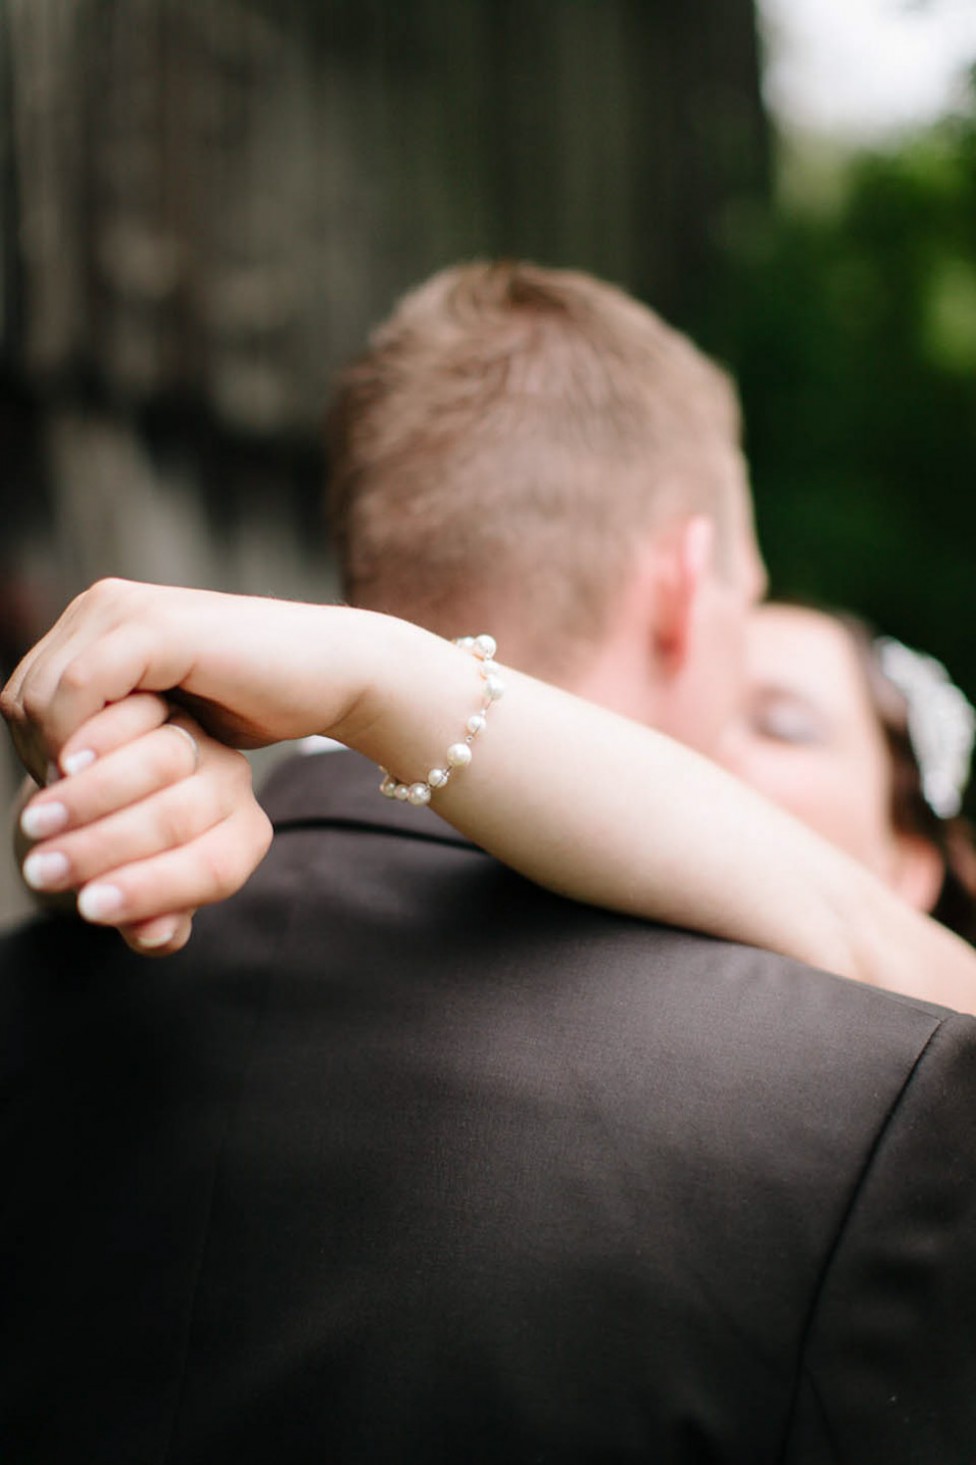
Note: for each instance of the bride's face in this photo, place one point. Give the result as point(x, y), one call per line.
point(810, 739)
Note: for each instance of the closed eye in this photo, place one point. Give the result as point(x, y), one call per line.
point(785, 717)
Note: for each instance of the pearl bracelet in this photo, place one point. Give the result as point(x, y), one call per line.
point(458, 754)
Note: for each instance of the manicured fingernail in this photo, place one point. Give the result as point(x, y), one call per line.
point(158, 938)
point(100, 902)
point(76, 762)
point(45, 871)
point(39, 820)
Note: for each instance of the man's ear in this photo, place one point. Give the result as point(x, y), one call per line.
point(917, 871)
point(686, 559)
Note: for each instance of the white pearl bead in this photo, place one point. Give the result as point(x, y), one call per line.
point(388, 787)
point(401, 792)
point(477, 723)
point(494, 688)
point(419, 794)
point(489, 668)
point(437, 777)
point(487, 645)
point(465, 642)
point(459, 755)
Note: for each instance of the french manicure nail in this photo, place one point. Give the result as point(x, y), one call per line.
point(45, 871)
point(39, 820)
point(100, 902)
point(76, 762)
point(159, 938)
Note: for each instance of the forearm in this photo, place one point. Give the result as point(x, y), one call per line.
point(603, 810)
point(580, 800)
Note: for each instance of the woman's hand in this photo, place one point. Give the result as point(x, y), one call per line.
point(152, 819)
point(252, 671)
point(545, 791)
point(138, 834)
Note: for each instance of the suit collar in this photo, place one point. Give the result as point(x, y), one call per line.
point(343, 788)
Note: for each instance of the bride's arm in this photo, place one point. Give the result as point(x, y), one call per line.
point(580, 800)
point(601, 809)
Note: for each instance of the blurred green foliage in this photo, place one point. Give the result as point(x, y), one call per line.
point(850, 322)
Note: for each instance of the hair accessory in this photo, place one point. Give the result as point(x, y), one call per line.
point(458, 755)
point(941, 723)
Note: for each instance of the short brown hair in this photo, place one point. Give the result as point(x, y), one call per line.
point(502, 443)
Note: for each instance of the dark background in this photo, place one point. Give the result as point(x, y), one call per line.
point(204, 204)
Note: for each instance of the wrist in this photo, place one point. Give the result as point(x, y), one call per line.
point(414, 701)
point(384, 658)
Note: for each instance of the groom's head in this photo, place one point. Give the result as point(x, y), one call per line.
point(532, 452)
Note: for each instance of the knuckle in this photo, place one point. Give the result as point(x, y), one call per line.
point(242, 770)
point(75, 677)
point(226, 775)
point(223, 869)
point(237, 772)
point(34, 705)
point(152, 705)
point(264, 831)
point(172, 757)
point(176, 824)
point(105, 590)
point(90, 852)
point(184, 749)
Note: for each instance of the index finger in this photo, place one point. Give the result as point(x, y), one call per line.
point(51, 649)
point(117, 724)
point(66, 687)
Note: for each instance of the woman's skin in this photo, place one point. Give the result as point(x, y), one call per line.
point(810, 740)
point(574, 797)
point(167, 794)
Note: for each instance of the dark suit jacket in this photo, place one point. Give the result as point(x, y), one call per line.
point(407, 1161)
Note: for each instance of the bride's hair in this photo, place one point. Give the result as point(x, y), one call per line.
point(912, 812)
